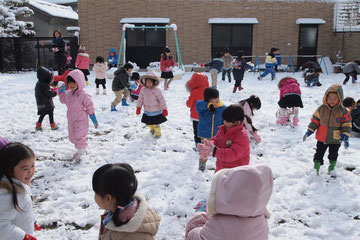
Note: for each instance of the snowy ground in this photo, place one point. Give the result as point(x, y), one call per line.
point(302, 206)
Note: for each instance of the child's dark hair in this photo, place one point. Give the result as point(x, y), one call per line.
point(226, 50)
point(240, 53)
point(348, 102)
point(135, 76)
point(210, 93)
point(357, 62)
point(253, 101)
point(166, 50)
point(233, 113)
point(119, 181)
point(70, 79)
point(127, 66)
point(318, 69)
point(99, 59)
point(10, 156)
point(218, 55)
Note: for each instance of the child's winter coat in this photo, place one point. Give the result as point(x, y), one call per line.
point(329, 122)
point(228, 60)
point(216, 64)
point(208, 121)
point(136, 92)
point(236, 207)
point(247, 112)
point(233, 147)
point(80, 106)
point(289, 86)
point(15, 224)
point(142, 226)
point(43, 92)
point(113, 60)
point(62, 78)
point(152, 98)
point(121, 80)
point(351, 67)
point(355, 115)
point(82, 61)
point(240, 66)
point(100, 70)
point(166, 64)
point(270, 61)
point(196, 86)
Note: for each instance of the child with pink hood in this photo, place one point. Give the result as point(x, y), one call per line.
point(236, 206)
point(80, 106)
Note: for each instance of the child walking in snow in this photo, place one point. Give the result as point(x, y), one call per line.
point(249, 105)
point(44, 94)
point(270, 62)
point(332, 122)
point(155, 109)
point(113, 58)
point(16, 210)
point(135, 86)
point(210, 117)
point(216, 65)
point(230, 146)
point(240, 66)
point(351, 69)
point(83, 62)
point(80, 106)
point(228, 60)
point(166, 64)
point(236, 206)
point(121, 85)
point(127, 215)
point(290, 97)
point(100, 68)
point(196, 86)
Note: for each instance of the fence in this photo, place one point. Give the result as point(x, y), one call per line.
point(21, 54)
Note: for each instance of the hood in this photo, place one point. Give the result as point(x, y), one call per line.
point(79, 78)
point(197, 80)
point(242, 191)
point(336, 88)
point(101, 64)
point(44, 75)
point(112, 50)
point(285, 81)
point(83, 54)
point(151, 76)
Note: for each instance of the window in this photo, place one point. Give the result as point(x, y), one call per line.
point(347, 16)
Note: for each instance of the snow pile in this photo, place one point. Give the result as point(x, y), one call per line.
point(54, 9)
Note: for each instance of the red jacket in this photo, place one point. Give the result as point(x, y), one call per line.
point(233, 148)
point(196, 86)
point(62, 78)
point(166, 64)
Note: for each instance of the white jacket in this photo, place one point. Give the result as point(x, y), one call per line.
point(14, 224)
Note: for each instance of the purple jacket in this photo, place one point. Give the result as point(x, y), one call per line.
point(287, 86)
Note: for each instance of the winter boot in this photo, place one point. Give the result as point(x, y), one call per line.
point(54, 126)
point(124, 103)
point(202, 165)
point(353, 81)
point(234, 89)
point(157, 132)
point(331, 166)
point(113, 108)
point(79, 155)
point(240, 87)
point(260, 78)
point(295, 121)
point(282, 120)
point(38, 126)
point(104, 91)
point(97, 91)
point(87, 83)
point(152, 129)
point(317, 166)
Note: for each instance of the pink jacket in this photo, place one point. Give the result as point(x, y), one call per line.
point(247, 112)
point(288, 85)
point(236, 207)
point(82, 61)
point(152, 98)
point(232, 147)
point(100, 70)
point(80, 106)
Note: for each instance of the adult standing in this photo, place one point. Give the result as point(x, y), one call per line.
point(58, 47)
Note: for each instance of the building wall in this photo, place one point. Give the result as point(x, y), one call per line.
point(101, 28)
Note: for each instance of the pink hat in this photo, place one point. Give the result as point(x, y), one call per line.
point(150, 75)
point(82, 48)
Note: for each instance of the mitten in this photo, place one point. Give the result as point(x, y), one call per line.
point(138, 111)
point(29, 237)
point(307, 134)
point(55, 49)
point(93, 119)
point(212, 108)
point(345, 138)
point(165, 112)
point(37, 227)
point(61, 87)
point(56, 90)
point(205, 149)
point(257, 137)
point(201, 206)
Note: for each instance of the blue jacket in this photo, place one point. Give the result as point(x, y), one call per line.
point(208, 121)
point(216, 64)
point(114, 59)
point(278, 59)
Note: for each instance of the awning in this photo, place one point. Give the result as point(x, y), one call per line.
point(233, 21)
point(310, 21)
point(145, 20)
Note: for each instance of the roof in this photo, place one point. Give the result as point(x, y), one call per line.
point(310, 21)
point(61, 1)
point(233, 21)
point(54, 10)
point(145, 20)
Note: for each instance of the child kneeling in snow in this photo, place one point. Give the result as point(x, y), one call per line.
point(127, 214)
point(249, 105)
point(80, 106)
point(236, 206)
point(290, 97)
point(230, 146)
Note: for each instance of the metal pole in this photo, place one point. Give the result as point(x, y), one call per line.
point(121, 45)
point(178, 52)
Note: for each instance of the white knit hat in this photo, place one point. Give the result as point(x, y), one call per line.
point(82, 48)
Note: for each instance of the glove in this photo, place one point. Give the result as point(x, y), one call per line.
point(93, 119)
point(55, 49)
point(201, 206)
point(138, 111)
point(345, 139)
point(165, 112)
point(307, 134)
point(212, 108)
point(37, 227)
point(56, 90)
point(257, 137)
point(29, 237)
point(205, 149)
point(61, 87)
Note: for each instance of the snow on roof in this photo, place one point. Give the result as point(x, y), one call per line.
point(54, 9)
point(233, 21)
point(145, 20)
point(61, 1)
point(310, 21)
point(72, 28)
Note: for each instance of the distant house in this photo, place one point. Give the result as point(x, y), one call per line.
point(72, 3)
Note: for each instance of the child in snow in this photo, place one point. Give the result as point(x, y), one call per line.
point(228, 60)
point(127, 215)
point(332, 122)
point(3, 142)
point(155, 109)
point(210, 117)
point(309, 66)
point(80, 106)
point(135, 86)
point(196, 86)
point(230, 146)
point(249, 105)
point(16, 210)
point(278, 59)
point(121, 85)
point(58, 48)
point(100, 68)
point(113, 58)
point(216, 65)
point(312, 77)
point(270, 63)
point(290, 97)
point(236, 206)
point(240, 66)
point(166, 64)
point(351, 69)
point(83, 62)
point(354, 109)
point(44, 94)
point(349, 103)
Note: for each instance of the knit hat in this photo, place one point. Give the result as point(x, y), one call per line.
point(82, 48)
